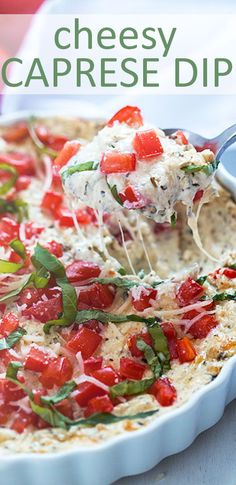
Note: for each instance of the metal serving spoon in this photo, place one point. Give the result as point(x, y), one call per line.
point(218, 145)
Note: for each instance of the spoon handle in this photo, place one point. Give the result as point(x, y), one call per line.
point(224, 140)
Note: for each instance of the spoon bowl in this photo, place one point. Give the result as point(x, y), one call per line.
point(218, 145)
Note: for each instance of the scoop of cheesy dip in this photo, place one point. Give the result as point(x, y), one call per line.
point(106, 323)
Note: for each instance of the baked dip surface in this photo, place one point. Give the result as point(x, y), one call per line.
point(115, 309)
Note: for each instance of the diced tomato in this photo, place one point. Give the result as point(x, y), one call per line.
point(107, 375)
point(85, 216)
point(56, 178)
point(51, 201)
point(22, 182)
point(85, 341)
point(23, 420)
point(93, 325)
point(54, 248)
point(132, 199)
point(57, 372)
point(179, 137)
point(147, 145)
point(65, 407)
point(44, 310)
point(6, 411)
point(37, 394)
point(68, 151)
point(168, 330)
point(64, 216)
point(132, 343)
point(36, 360)
point(15, 258)
point(16, 133)
point(116, 162)
point(141, 298)
point(172, 346)
point(87, 391)
point(186, 350)
point(9, 323)
point(32, 229)
point(129, 369)
point(9, 230)
point(164, 392)
point(95, 296)
point(189, 291)
point(203, 326)
point(198, 196)
point(100, 404)
point(8, 356)
point(230, 273)
point(131, 115)
point(28, 296)
point(92, 364)
point(22, 162)
point(10, 391)
point(55, 142)
point(81, 271)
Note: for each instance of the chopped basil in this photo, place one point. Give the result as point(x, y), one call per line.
point(17, 207)
point(122, 271)
point(173, 220)
point(103, 317)
point(12, 371)
point(8, 266)
point(69, 299)
point(63, 393)
point(160, 345)
point(6, 186)
point(150, 356)
point(38, 279)
point(50, 415)
point(225, 295)
point(114, 193)
point(12, 339)
point(232, 266)
point(201, 280)
point(80, 167)
point(129, 388)
point(208, 169)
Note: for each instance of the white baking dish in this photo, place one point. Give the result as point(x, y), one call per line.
point(129, 453)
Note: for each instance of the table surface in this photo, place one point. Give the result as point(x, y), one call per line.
point(210, 460)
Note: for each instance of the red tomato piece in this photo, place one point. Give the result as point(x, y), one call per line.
point(36, 360)
point(85, 341)
point(129, 369)
point(9, 323)
point(116, 162)
point(28, 296)
point(51, 201)
point(230, 273)
point(6, 411)
point(84, 216)
point(179, 137)
point(100, 404)
point(22, 162)
point(55, 142)
point(203, 326)
point(95, 296)
point(198, 196)
point(16, 133)
point(186, 350)
point(57, 372)
point(56, 178)
point(65, 407)
point(164, 392)
point(10, 391)
point(132, 199)
point(172, 346)
point(9, 230)
point(8, 356)
point(24, 420)
point(64, 216)
point(132, 343)
point(93, 325)
point(147, 145)
point(44, 310)
point(168, 330)
point(188, 292)
point(68, 151)
point(22, 182)
point(54, 248)
point(131, 115)
point(92, 364)
point(107, 375)
point(87, 391)
point(81, 271)
point(141, 298)
point(32, 229)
